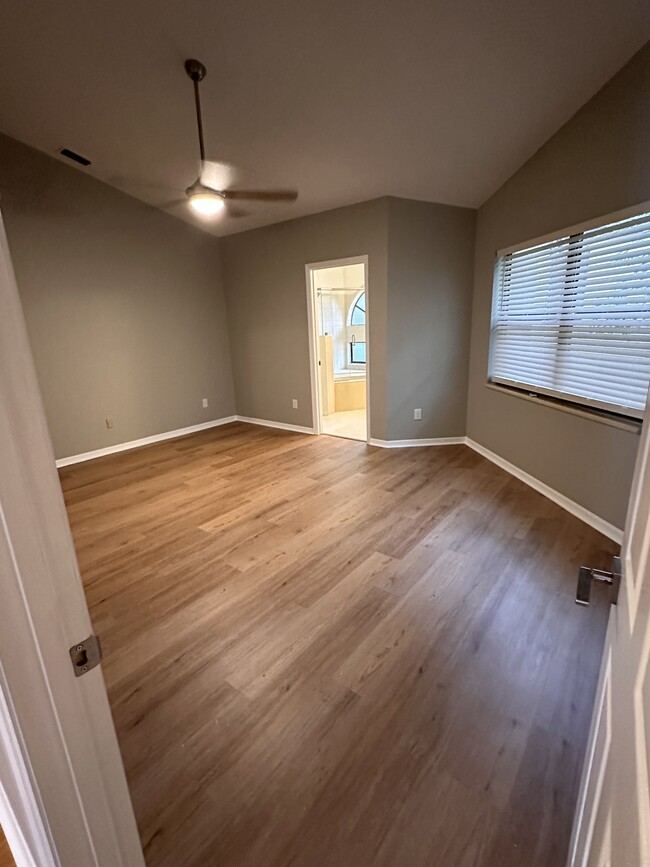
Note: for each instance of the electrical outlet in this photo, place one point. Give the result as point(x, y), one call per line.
point(205, 403)
point(417, 414)
point(109, 423)
point(294, 403)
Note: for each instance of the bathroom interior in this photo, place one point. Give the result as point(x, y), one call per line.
point(340, 307)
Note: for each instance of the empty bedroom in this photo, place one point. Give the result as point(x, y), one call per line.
point(324, 476)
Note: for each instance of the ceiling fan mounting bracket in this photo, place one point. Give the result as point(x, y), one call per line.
point(195, 69)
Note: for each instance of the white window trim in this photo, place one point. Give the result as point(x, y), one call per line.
point(621, 422)
point(564, 396)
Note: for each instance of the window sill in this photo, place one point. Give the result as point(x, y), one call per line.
point(630, 425)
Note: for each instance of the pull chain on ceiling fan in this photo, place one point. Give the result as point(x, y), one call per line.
point(204, 199)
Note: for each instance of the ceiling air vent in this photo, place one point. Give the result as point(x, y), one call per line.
point(71, 155)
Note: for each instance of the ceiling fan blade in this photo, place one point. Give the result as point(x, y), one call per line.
point(172, 203)
point(234, 211)
point(261, 195)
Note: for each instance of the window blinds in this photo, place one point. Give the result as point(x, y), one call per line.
point(571, 317)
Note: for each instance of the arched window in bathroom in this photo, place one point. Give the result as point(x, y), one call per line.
point(358, 310)
point(357, 320)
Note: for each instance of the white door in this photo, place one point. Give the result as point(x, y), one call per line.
point(63, 795)
point(612, 822)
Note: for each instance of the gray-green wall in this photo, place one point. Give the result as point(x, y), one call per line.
point(419, 301)
point(124, 306)
point(126, 311)
point(599, 162)
point(264, 272)
point(127, 318)
point(430, 273)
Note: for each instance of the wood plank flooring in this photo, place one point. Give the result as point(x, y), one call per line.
point(320, 653)
point(6, 859)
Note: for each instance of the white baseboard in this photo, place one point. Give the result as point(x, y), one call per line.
point(407, 444)
point(296, 428)
point(172, 434)
point(145, 441)
point(574, 508)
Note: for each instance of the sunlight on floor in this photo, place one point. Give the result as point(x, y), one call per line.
point(350, 424)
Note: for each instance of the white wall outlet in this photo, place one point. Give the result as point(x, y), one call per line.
point(417, 414)
point(109, 423)
point(294, 403)
point(205, 403)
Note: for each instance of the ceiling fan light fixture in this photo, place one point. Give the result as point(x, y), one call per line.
point(206, 202)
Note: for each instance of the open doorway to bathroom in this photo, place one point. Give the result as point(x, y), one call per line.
point(338, 319)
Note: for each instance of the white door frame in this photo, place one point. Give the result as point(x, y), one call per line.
point(313, 335)
point(64, 799)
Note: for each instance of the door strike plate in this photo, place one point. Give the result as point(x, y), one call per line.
point(586, 575)
point(86, 655)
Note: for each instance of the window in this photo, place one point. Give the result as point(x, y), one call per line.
point(358, 312)
point(571, 317)
point(357, 351)
point(358, 317)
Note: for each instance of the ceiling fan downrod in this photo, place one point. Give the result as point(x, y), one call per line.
point(205, 199)
point(196, 71)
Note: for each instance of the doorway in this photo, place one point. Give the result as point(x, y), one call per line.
point(338, 322)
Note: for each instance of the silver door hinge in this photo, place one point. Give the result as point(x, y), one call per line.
point(86, 655)
point(585, 576)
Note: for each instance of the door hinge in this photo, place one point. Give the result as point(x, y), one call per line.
point(86, 655)
point(585, 576)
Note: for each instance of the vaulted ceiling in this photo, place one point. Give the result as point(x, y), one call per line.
point(345, 100)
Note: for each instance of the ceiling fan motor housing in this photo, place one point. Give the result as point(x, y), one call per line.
point(197, 188)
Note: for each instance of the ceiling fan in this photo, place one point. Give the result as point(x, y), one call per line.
point(205, 199)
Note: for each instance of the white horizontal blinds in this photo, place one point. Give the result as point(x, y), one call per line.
point(571, 317)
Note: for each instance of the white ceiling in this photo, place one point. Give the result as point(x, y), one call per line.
point(345, 100)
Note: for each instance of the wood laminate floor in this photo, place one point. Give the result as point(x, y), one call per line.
point(320, 653)
point(6, 859)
